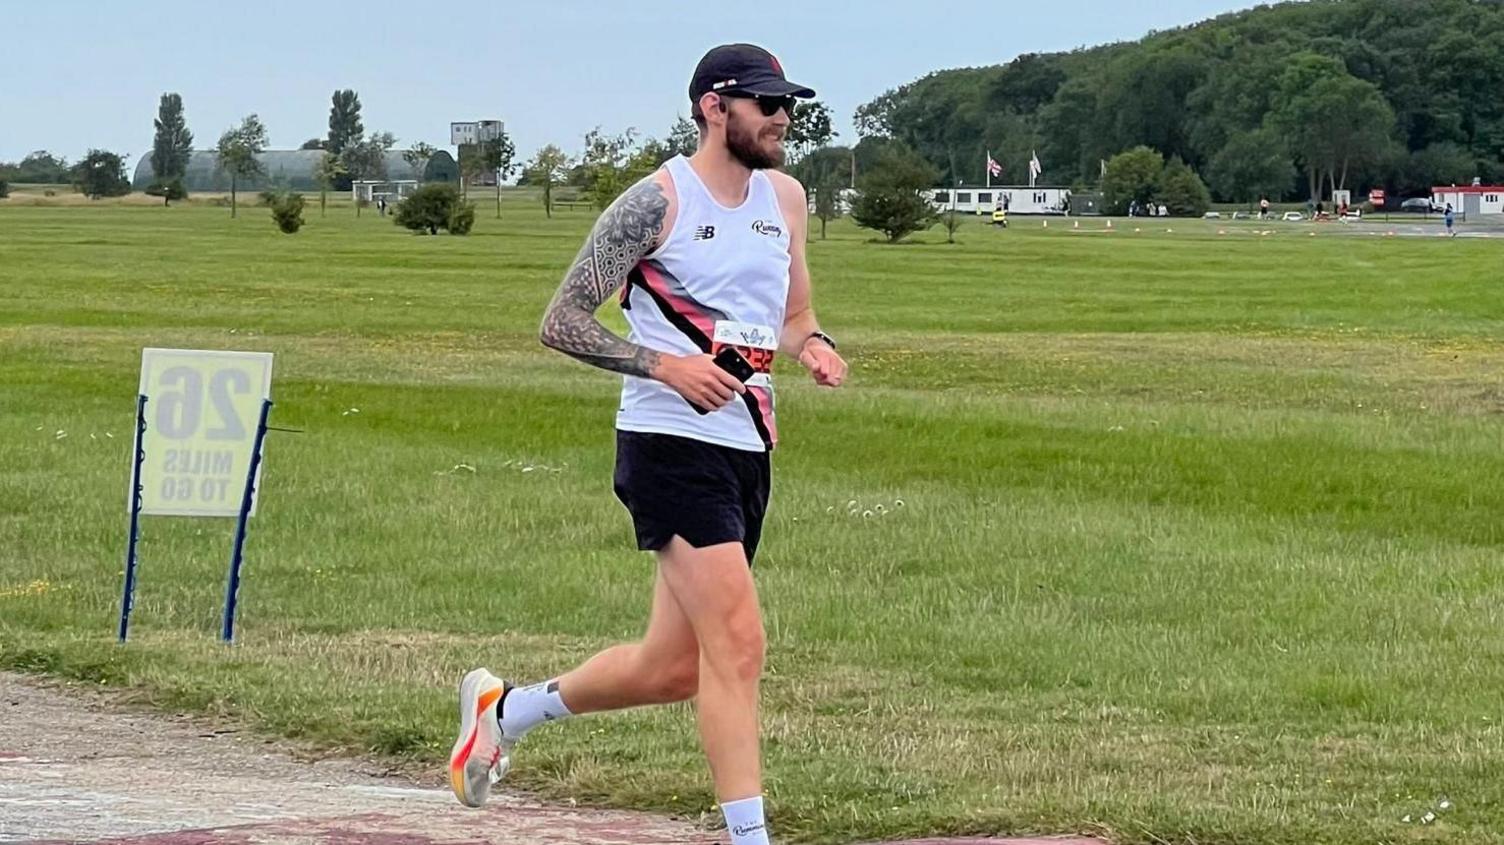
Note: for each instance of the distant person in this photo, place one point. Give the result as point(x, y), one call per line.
point(1164, 210)
point(1264, 208)
point(1450, 219)
point(1000, 215)
point(707, 254)
point(1007, 201)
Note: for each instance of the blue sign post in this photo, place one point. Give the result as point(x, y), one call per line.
point(135, 502)
point(232, 586)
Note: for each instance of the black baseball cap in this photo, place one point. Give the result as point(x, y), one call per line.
point(742, 69)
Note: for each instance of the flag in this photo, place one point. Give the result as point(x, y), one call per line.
point(993, 168)
point(1104, 167)
point(1034, 167)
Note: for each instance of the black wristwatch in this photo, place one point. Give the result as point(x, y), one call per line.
point(829, 341)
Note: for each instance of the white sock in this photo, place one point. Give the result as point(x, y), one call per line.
point(745, 821)
point(525, 708)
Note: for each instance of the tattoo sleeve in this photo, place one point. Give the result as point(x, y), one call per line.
point(622, 236)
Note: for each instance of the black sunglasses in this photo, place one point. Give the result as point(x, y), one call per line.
point(768, 105)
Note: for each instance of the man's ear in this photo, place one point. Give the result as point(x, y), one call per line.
point(710, 101)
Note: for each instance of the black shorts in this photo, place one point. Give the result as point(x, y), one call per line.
point(705, 493)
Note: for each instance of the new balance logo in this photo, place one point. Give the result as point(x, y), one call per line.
point(704, 233)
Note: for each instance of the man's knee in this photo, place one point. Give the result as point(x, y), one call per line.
point(736, 649)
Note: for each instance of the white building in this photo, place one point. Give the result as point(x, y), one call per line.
point(1470, 200)
point(1019, 199)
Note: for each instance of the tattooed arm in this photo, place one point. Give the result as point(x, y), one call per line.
point(629, 229)
point(637, 222)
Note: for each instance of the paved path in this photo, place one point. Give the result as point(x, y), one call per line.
point(74, 768)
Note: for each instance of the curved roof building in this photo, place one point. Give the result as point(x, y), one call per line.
point(290, 169)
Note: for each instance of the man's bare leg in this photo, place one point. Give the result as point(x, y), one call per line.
point(715, 590)
point(663, 667)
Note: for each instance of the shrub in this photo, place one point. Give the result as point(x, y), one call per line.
point(462, 218)
point(287, 211)
point(434, 207)
point(890, 197)
point(168, 191)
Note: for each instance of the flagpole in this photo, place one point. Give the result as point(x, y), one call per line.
point(988, 167)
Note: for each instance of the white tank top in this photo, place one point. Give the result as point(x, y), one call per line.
point(720, 279)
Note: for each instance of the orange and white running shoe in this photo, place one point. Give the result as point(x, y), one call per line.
point(481, 754)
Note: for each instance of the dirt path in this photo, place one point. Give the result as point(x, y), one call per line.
point(76, 768)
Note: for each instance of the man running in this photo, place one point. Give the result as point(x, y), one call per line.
point(708, 256)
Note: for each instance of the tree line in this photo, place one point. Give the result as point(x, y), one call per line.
point(1286, 101)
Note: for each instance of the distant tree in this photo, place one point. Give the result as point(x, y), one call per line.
point(684, 137)
point(611, 164)
point(1181, 191)
point(365, 160)
point(4, 189)
point(314, 144)
point(824, 172)
point(1250, 166)
point(237, 151)
point(658, 151)
point(327, 174)
point(41, 167)
point(1330, 120)
point(1132, 175)
point(417, 157)
point(951, 222)
point(496, 157)
point(170, 148)
point(101, 174)
point(344, 121)
point(549, 167)
point(891, 198)
point(287, 210)
point(1442, 163)
point(435, 206)
point(810, 128)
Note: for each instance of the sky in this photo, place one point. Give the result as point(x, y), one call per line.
point(76, 75)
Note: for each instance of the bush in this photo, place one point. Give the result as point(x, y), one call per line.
point(890, 198)
point(4, 189)
point(287, 210)
point(268, 198)
point(101, 174)
point(434, 207)
point(1131, 176)
point(1182, 191)
point(168, 191)
point(462, 218)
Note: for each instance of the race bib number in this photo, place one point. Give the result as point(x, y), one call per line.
point(756, 343)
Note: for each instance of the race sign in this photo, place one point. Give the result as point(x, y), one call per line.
point(202, 412)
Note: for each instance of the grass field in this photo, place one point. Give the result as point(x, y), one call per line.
point(1199, 538)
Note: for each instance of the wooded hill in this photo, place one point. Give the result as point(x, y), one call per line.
point(1400, 94)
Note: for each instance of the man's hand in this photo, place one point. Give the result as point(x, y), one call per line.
point(823, 363)
point(698, 379)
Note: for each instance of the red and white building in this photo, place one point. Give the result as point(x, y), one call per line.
point(1470, 200)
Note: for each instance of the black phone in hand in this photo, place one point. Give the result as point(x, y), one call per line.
point(732, 362)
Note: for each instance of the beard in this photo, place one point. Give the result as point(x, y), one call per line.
point(742, 144)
